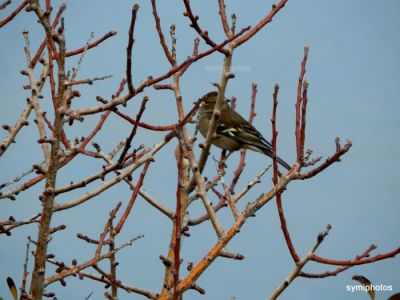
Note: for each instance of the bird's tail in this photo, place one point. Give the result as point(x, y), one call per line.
point(266, 149)
point(283, 163)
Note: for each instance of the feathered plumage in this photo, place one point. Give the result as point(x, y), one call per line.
point(233, 131)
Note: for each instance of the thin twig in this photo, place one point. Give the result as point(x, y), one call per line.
point(14, 13)
point(282, 218)
point(299, 266)
point(129, 50)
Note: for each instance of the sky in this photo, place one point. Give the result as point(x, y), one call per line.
point(353, 93)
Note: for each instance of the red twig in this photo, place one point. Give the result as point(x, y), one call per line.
point(282, 218)
point(340, 150)
point(162, 127)
point(14, 13)
point(133, 132)
point(94, 131)
point(178, 223)
point(299, 103)
point(48, 7)
point(129, 50)
point(268, 18)
point(91, 45)
point(357, 261)
point(4, 4)
point(196, 26)
point(51, 72)
point(128, 209)
point(338, 270)
point(253, 102)
point(161, 34)
point(106, 229)
point(303, 118)
point(44, 43)
point(224, 21)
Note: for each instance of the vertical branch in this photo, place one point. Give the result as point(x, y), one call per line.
point(38, 275)
point(26, 273)
point(178, 222)
point(282, 219)
point(113, 264)
point(224, 20)
point(299, 103)
point(129, 50)
point(161, 34)
point(303, 117)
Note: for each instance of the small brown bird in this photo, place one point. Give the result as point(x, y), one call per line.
point(233, 131)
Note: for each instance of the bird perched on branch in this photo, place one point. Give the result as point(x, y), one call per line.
point(233, 131)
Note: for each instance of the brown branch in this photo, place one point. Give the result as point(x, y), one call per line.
point(224, 20)
point(300, 134)
point(4, 4)
point(268, 18)
point(338, 270)
point(106, 229)
point(128, 209)
point(25, 273)
point(178, 222)
point(129, 50)
point(282, 218)
point(6, 228)
point(161, 34)
point(303, 118)
point(14, 13)
point(133, 132)
point(196, 26)
point(340, 150)
point(44, 43)
point(91, 45)
point(38, 274)
point(299, 266)
point(89, 81)
point(357, 261)
point(185, 120)
point(69, 271)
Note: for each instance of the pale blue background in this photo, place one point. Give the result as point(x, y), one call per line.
point(354, 87)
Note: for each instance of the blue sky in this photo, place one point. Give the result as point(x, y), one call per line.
point(353, 93)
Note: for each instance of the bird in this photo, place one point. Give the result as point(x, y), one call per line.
point(233, 131)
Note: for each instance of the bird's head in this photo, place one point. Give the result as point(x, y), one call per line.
point(209, 101)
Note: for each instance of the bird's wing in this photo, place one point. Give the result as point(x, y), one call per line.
point(244, 133)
